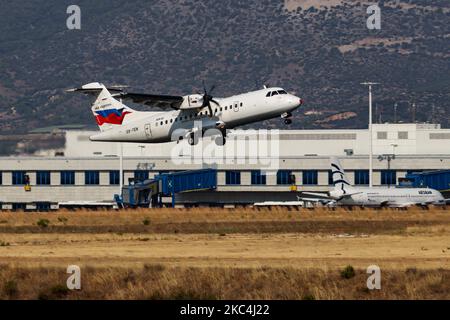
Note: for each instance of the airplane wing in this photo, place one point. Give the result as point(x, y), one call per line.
point(314, 199)
point(322, 200)
point(326, 196)
point(153, 100)
point(318, 195)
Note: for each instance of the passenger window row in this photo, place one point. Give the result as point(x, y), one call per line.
point(191, 116)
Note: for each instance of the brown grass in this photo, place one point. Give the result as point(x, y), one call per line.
point(160, 282)
point(215, 220)
point(210, 253)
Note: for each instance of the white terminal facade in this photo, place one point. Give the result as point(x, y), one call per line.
point(249, 170)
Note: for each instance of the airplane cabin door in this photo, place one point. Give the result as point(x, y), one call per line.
point(148, 131)
point(236, 106)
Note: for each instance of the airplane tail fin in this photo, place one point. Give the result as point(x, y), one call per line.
point(340, 181)
point(108, 111)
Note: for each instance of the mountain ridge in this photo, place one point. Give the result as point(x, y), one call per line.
point(321, 54)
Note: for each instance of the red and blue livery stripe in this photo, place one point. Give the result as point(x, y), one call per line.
point(111, 116)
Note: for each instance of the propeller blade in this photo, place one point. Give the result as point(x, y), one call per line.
point(211, 89)
point(214, 101)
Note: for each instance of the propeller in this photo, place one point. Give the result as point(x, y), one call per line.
point(208, 98)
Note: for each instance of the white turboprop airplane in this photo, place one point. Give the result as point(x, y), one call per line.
point(186, 115)
point(344, 194)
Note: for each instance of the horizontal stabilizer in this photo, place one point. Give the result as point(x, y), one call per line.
point(95, 88)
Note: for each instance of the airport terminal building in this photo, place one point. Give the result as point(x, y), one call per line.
point(253, 166)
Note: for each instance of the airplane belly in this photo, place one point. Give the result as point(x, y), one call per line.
point(247, 118)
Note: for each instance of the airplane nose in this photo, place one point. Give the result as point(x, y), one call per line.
point(296, 101)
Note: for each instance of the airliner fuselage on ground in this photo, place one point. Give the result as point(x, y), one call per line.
point(393, 197)
point(187, 116)
point(344, 194)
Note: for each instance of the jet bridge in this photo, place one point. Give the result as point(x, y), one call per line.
point(149, 193)
point(436, 179)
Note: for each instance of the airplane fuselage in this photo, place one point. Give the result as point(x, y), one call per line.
point(234, 111)
point(392, 197)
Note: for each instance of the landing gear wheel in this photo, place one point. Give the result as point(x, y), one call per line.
point(220, 140)
point(193, 139)
point(288, 121)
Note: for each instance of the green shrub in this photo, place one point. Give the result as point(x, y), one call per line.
point(43, 223)
point(348, 272)
point(146, 221)
point(308, 296)
point(10, 288)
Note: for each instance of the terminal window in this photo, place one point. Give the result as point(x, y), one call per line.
point(381, 135)
point(18, 177)
point(91, 177)
point(284, 177)
point(140, 175)
point(310, 177)
point(388, 177)
point(258, 178)
point(19, 206)
point(43, 206)
point(1, 178)
point(362, 177)
point(330, 178)
point(232, 177)
point(67, 178)
point(403, 135)
point(114, 177)
point(43, 177)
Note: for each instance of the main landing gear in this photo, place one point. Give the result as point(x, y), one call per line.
point(287, 116)
point(193, 139)
point(219, 140)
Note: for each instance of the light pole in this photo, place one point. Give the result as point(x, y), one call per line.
point(394, 145)
point(142, 150)
point(395, 112)
point(121, 165)
point(121, 168)
point(389, 158)
point(370, 84)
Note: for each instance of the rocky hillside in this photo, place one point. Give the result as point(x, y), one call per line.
point(320, 50)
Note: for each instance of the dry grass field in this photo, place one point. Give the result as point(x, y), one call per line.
point(242, 253)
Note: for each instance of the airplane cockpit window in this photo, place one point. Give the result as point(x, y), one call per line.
point(282, 92)
point(268, 94)
point(274, 93)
